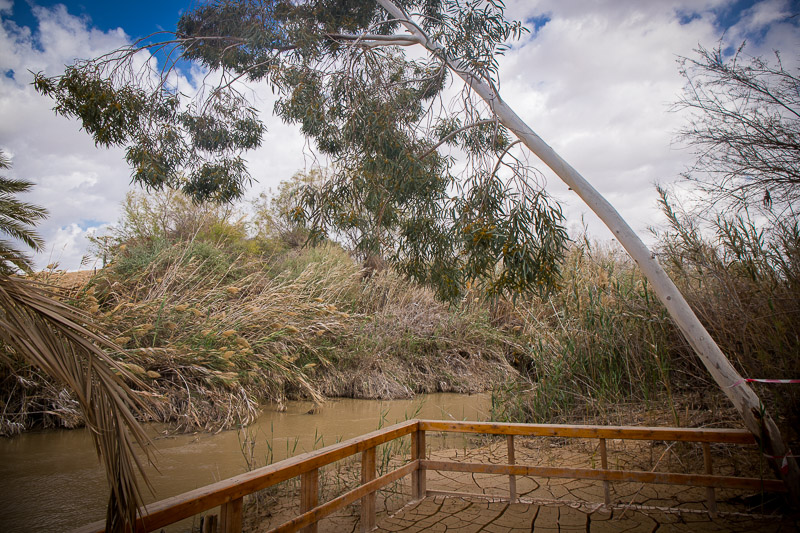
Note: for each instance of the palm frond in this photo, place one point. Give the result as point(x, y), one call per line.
point(18, 230)
point(13, 185)
point(12, 256)
point(17, 219)
point(56, 337)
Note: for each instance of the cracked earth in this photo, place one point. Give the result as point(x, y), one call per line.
point(563, 504)
point(440, 514)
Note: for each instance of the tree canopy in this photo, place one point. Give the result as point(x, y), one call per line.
point(745, 129)
point(381, 116)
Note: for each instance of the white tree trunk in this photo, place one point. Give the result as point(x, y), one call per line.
point(744, 399)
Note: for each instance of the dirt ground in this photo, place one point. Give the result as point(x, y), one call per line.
point(554, 504)
point(467, 515)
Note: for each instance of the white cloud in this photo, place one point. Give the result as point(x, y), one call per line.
point(74, 180)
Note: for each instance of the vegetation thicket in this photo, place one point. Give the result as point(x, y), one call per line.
point(217, 322)
point(601, 339)
point(219, 312)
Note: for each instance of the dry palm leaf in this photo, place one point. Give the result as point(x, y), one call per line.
point(56, 338)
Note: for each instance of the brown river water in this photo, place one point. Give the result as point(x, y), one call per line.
point(52, 481)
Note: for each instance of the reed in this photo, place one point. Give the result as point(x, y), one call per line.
point(218, 323)
point(601, 343)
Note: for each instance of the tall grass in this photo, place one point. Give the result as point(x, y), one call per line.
point(598, 340)
point(741, 275)
point(219, 323)
point(601, 340)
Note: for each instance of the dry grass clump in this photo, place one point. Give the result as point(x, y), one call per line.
point(413, 343)
point(217, 331)
point(602, 340)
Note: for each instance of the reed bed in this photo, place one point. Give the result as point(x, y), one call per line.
point(216, 331)
point(218, 320)
point(600, 348)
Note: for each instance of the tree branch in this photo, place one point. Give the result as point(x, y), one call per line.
point(456, 132)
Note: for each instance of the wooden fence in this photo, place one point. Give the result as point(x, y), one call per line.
point(229, 494)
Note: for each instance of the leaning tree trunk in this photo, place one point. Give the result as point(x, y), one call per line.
point(744, 399)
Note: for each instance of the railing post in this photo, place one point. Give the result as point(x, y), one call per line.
point(309, 495)
point(604, 466)
point(710, 494)
point(209, 522)
point(368, 502)
point(418, 490)
point(512, 479)
point(231, 517)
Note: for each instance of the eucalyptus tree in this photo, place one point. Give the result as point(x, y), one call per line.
point(366, 81)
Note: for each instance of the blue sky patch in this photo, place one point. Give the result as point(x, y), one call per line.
point(728, 15)
point(537, 23)
point(685, 17)
point(138, 19)
point(87, 223)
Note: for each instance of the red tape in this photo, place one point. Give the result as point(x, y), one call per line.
point(779, 381)
point(784, 459)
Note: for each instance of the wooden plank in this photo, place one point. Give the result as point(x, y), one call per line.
point(368, 473)
point(418, 477)
point(209, 523)
point(345, 499)
point(512, 479)
point(730, 436)
point(309, 496)
point(604, 466)
point(169, 510)
point(231, 517)
point(711, 496)
point(694, 480)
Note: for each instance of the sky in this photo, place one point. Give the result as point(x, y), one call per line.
point(596, 79)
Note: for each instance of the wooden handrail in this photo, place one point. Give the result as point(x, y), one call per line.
point(170, 510)
point(230, 492)
point(664, 478)
point(346, 499)
point(725, 436)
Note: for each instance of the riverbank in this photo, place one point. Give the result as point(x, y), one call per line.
point(213, 337)
point(216, 323)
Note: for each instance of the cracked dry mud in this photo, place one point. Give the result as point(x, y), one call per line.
point(439, 514)
point(570, 505)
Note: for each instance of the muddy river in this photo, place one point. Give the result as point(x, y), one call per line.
point(52, 481)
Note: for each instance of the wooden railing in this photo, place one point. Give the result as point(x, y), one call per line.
point(229, 494)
